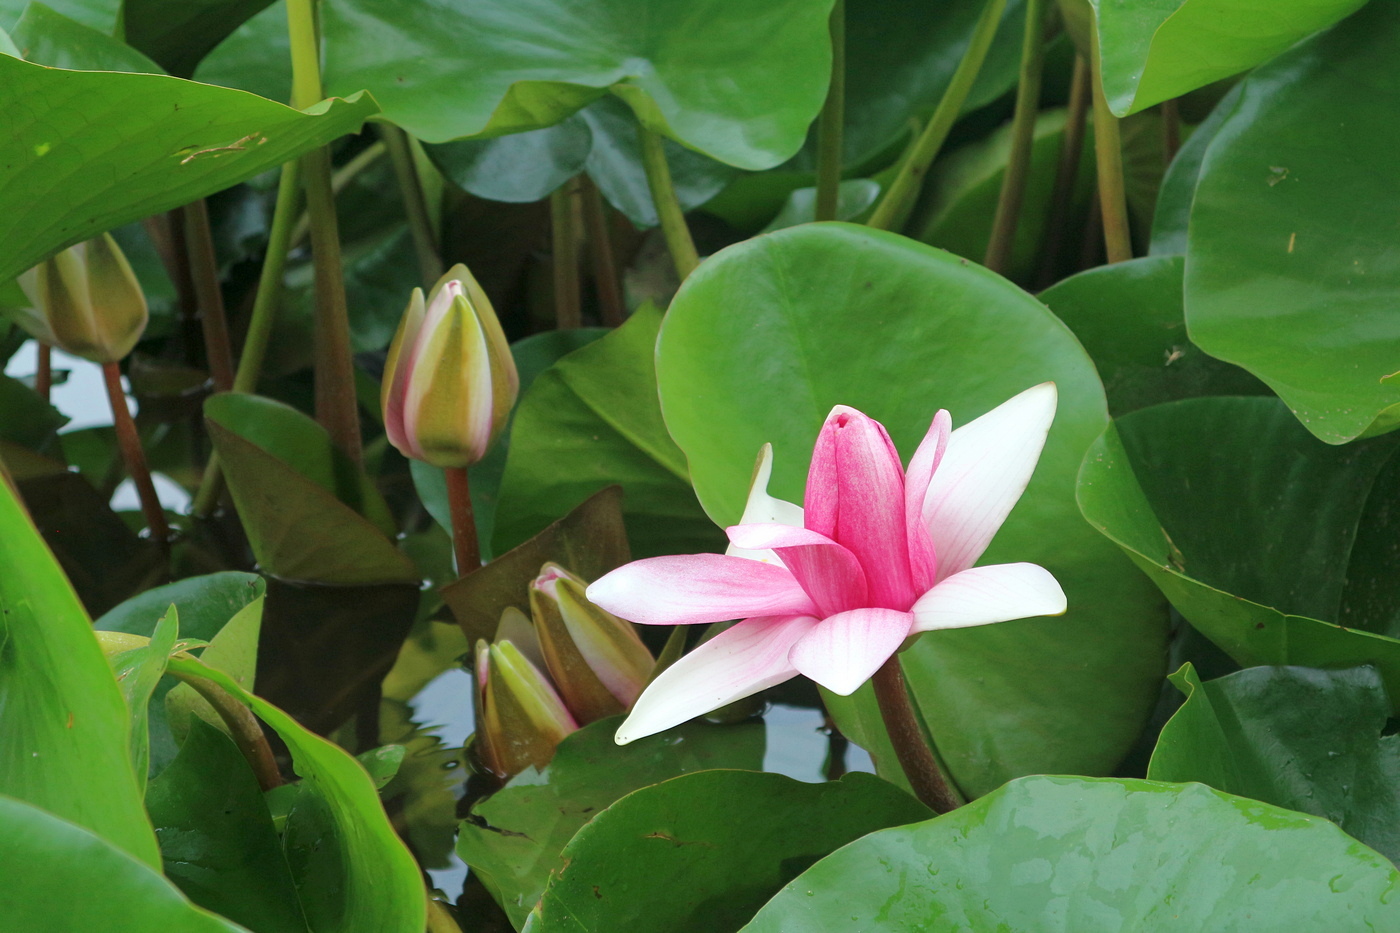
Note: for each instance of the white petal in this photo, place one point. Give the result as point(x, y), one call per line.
point(762, 507)
point(736, 663)
point(982, 474)
point(845, 650)
point(982, 595)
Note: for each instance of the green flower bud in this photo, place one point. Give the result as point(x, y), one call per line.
point(520, 719)
point(86, 301)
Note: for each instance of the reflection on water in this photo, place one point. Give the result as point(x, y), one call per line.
point(442, 719)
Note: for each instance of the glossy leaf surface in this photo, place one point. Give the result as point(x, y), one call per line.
point(702, 852)
point(767, 336)
point(1096, 856)
point(1289, 267)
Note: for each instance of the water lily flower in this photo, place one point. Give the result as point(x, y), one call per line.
point(875, 555)
point(450, 380)
point(85, 300)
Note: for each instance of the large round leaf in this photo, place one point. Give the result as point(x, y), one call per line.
point(1154, 50)
point(62, 716)
point(1178, 188)
point(1260, 535)
point(1096, 856)
point(1291, 269)
point(444, 70)
point(766, 336)
point(1294, 737)
point(702, 852)
point(89, 151)
point(1129, 317)
point(59, 876)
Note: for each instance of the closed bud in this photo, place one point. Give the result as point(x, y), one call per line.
point(520, 719)
point(86, 301)
point(595, 658)
point(449, 381)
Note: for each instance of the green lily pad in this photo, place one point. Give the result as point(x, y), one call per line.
point(1178, 188)
point(217, 839)
point(46, 37)
point(177, 33)
point(29, 420)
point(350, 868)
point(60, 709)
point(1129, 317)
point(1154, 50)
point(1260, 535)
point(1096, 856)
point(514, 839)
point(592, 420)
point(94, 150)
point(1295, 737)
point(700, 853)
point(1289, 270)
point(853, 198)
point(766, 336)
point(442, 71)
point(59, 876)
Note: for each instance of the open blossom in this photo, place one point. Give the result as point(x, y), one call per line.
point(832, 589)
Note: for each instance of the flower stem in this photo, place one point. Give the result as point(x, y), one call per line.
point(1171, 130)
point(209, 297)
point(415, 203)
point(568, 307)
point(1066, 174)
point(1108, 151)
point(336, 407)
point(243, 725)
point(915, 757)
point(668, 208)
point(605, 281)
point(43, 378)
point(340, 179)
point(831, 125)
point(459, 504)
point(1013, 184)
point(130, 443)
point(898, 201)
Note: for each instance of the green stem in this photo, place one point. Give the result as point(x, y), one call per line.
point(415, 203)
point(898, 201)
point(605, 280)
point(336, 407)
point(1013, 184)
point(671, 651)
point(568, 308)
point(1108, 151)
point(129, 442)
point(209, 297)
point(247, 732)
point(668, 208)
point(465, 545)
point(260, 326)
point(915, 757)
point(832, 123)
point(1066, 174)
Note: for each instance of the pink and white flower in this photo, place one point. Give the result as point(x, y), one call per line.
point(832, 590)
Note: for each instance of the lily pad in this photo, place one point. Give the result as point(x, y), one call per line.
point(1096, 856)
point(1289, 266)
point(1251, 527)
point(1295, 737)
point(766, 336)
point(442, 71)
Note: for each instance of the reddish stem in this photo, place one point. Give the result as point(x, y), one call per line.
point(915, 757)
point(43, 379)
point(130, 443)
point(459, 503)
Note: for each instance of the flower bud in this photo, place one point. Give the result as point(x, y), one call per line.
point(85, 301)
point(449, 381)
point(595, 658)
point(520, 719)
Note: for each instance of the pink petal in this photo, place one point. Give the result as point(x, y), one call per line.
point(762, 507)
point(922, 559)
point(983, 595)
point(856, 486)
point(845, 650)
point(736, 663)
point(985, 469)
point(829, 573)
point(694, 588)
